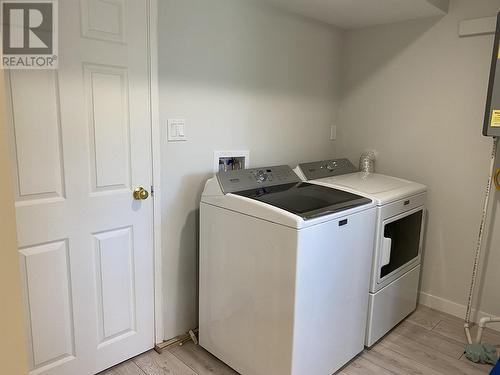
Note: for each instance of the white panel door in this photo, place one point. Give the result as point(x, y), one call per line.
point(81, 143)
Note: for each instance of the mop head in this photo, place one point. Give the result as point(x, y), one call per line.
point(481, 353)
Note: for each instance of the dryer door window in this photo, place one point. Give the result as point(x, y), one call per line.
point(401, 242)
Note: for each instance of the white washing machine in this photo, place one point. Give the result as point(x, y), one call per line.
point(284, 272)
point(398, 241)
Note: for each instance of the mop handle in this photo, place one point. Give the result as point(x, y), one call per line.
point(481, 232)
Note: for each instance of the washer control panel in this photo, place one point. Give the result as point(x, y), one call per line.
point(327, 168)
point(247, 179)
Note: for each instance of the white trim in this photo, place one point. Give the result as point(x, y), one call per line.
point(441, 304)
point(477, 26)
point(156, 166)
point(453, 308)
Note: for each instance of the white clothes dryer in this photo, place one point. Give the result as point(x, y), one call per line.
point(398, 233)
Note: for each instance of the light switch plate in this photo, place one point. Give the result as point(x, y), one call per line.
point(176, 129)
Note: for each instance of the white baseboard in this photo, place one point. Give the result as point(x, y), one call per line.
point(453, 308)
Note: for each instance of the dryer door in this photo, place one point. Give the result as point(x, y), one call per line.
point(400, 244)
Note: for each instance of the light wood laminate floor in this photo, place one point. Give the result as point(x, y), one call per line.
point(428, 342)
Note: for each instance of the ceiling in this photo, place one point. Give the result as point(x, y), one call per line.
point(351, 14)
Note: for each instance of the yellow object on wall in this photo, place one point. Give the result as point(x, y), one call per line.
point(495, 118)
point(495, 179)
point(12, 344)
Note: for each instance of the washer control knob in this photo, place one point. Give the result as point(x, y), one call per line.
point(261, 176)
point(332, 165)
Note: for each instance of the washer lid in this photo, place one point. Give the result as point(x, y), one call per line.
point(306, 200)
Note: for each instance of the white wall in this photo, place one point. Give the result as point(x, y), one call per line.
point(245, 76)
point(416, 92)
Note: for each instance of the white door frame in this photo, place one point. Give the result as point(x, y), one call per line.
point(156, 168)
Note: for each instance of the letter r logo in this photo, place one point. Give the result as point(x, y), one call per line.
point(27, 28)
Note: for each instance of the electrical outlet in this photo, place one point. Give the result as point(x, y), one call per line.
point(333, 133)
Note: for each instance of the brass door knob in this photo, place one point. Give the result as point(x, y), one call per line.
point(140, 194)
